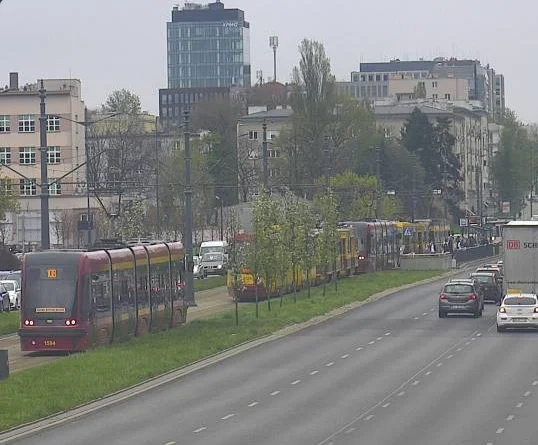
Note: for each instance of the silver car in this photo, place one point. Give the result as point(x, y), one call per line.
point(213, 263)
point(518, 311)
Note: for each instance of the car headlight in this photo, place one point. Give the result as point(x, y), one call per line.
point(502, 310)
point(219, 266)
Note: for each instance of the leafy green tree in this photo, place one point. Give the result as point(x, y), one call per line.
point(122, 101)
point(293, 238)
point(308, 252)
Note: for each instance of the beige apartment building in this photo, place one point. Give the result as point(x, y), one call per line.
point(450, 89)
point(20, 162)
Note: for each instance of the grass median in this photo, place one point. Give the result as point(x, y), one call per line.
point(209, 283)
point(80, 378)
point(9, 322)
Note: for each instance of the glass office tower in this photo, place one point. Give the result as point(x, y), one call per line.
point(208, 46)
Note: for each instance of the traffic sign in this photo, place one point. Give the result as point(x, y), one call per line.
point(408, 231)
point(464, 222)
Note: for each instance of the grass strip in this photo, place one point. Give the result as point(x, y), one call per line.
point(9, 322)
point(80, 378)
point(209, 283)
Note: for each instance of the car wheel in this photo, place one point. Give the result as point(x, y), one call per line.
point(442, 314)
point(500, 329)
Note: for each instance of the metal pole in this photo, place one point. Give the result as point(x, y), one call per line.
point(189, 262)
point(326, 153)
point(157, 176)
point(264, 157)
point(378, 180)
point(45, 235)
point(221, 222)
point(88, 209)
point(274, 63)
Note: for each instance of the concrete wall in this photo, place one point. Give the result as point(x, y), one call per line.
point(435, 261)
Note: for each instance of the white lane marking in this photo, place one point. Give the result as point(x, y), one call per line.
point(345, 356)
point(371, 342)
point(415, 318)
point(199, 430)
point(428, 373)
point(358, 349)
point(467, 342)
point(458, 350)
point(499, 431)
point(432, 309)
point(328, 440)
point(349, 431)
point(329, 364)
point(415, 383)
point(535, 383)
point(386, 405)
point(295, 382)
point(370, 417)
point(274, 393)
point(401, 393)
point(387, 333)
point(519, 405)
point(473, 339)
point(170, 443)
point(479, 334)
point(226, 417)
point(314, 372)
point(424, 313)
point(379, 338)
point(489, 443)
point(439, 364)
point(250, 405)
point(527, 394)
point(449, 357)
point(510, 417)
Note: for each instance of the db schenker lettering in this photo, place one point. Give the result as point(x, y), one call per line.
point(530, 245)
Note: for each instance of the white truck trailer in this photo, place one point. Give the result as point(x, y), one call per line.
point(520, 257)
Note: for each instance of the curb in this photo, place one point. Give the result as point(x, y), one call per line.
point(58, 419)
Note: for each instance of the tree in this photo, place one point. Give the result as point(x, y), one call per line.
point(313, 101)
point(325, 205)
point(122, 101)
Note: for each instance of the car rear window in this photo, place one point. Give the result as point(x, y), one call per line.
point(458, 288)
point(519, 301)
point(484, 279)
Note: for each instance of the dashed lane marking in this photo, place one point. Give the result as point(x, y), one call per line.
point(458, 350)
point(170, 443)
point(439, 364)
point(314, 372)
point(527, 394)
point(428, 373)
point(449, 357)
point(519, 405)
point(226, 417)
point(274, 393)
point(535, 383)
point(345, 356)
point(401, 393)
point(199, 430)
point(499, 431)
point(250, 405)
point(350, 430)
point(379, 338)
point(386, 405)
point(467, 343)
point(295, 382)
point(329, 364)
point(424, 313)
point(387, 333)
point(371, 342)
point(358, 349)
point(510, 417)
point(479, 334)
point(370, 417)
point(415, 318)
point(415, 383)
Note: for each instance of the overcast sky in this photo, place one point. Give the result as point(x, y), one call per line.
point(113, 44)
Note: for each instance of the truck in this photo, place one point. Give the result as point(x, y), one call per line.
point(520, 257)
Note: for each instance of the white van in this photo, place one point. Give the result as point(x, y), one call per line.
point(214, 246)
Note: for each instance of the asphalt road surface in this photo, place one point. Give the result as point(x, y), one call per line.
point(389, 373)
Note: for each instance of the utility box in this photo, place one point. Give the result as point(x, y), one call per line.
point(4, 364)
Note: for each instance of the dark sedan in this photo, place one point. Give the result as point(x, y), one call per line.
point(460, 298)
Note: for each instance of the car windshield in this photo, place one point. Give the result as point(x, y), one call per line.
point(519, 301)
point(8, 286)
point(484, 279)
point(212, 257)
point(458, 288)
point(213, 249)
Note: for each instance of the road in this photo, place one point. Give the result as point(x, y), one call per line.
point(210, 302)
point(389, 373)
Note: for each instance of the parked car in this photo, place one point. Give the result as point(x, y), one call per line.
point(14, 291)
point(15, 275)
point(460, 298)
point(489, 286)
point(4, 299)
point(213, 263)
point(518, 311)
point(198, 271)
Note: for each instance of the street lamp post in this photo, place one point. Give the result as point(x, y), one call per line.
point(45, 235)
point(218, 198)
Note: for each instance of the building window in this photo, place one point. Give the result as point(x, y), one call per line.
point(27, 155)
point(434, 84)
point(370, 77)
point(272, 135)
point(5, 155)
point(447, 96)
point(53, 155)
point(55, 188)
point(6, 186)
point(274, 172)
point(26, 123)
point(253, 135)
point(378, 77)
point(53, 123)
point(363, 77)
point(273, 153)
point(435, 96)
point(28, 187)
point(385, 77)
point(4, 124)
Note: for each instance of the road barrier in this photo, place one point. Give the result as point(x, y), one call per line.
point(4, 364)
point(474, 253)
point(426, 261)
